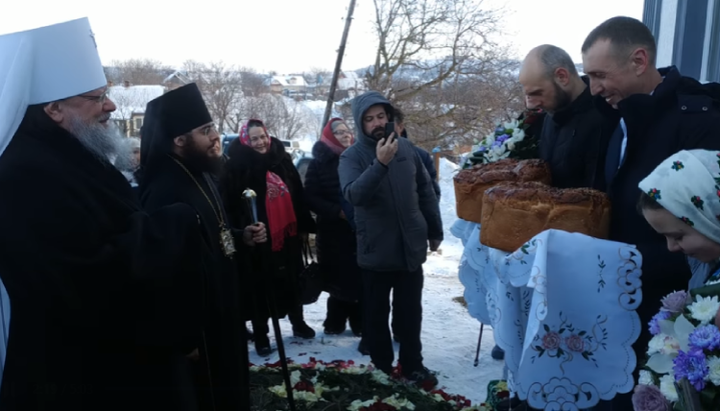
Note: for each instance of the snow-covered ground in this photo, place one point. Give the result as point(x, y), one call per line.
point(449, 334)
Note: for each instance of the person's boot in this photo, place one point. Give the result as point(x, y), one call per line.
point(300, 327)
point(423, 378)
point(335, 318)
point(363, 348)
point(355, 319)
point(262, 345)
point(497, 353)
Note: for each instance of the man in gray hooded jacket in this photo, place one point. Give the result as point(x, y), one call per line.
point(396, 214)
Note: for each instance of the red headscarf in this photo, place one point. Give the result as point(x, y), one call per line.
point(245, 137)
point(329, 138)
point(282, 222)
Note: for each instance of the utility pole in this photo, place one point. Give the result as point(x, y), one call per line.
point(338, 64)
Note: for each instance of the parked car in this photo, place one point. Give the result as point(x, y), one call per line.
point(301, 159)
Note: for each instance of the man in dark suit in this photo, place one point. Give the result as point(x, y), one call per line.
point(660, 112)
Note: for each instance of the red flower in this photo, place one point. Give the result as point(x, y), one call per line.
point(304, 386)
point(551, 341)
point(575, 343)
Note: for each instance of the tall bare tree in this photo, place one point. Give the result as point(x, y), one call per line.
point(138, 71)
point(442, 62)
point(221, 86)
point(253, 84)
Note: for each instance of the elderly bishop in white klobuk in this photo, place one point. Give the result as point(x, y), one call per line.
point(78, 256)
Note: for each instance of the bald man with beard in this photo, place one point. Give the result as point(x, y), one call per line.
point(575, 136)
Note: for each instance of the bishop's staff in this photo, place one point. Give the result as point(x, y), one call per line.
point(251, 198)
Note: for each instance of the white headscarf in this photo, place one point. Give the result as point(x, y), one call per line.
point(687, 184)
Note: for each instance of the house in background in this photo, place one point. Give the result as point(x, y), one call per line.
point(290, 86)
point(131, 101)
point(349, 85)
point(175, 80)
point(687, 33)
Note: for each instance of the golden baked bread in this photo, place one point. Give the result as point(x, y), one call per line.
point(470, 184)
point(515, 213)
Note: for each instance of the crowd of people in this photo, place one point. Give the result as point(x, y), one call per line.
point(133, 266)
point(139, 262)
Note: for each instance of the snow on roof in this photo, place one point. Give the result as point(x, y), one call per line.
point(132, 100)
point(289, 80)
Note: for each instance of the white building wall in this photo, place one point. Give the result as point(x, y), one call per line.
point(666, 38)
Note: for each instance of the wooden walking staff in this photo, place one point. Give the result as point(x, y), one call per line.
point(250, 196)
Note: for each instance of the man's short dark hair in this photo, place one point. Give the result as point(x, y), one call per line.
point(625, 34)
point(553, 58)
point(398, 115)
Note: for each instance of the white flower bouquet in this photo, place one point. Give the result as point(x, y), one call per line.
point(508, 140)
point(682, 371)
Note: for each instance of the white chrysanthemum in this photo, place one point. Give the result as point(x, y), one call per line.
point(306, 396)
point(704, 309)
point(358, 404)
point(646, 378)
point(399, 403)
point(353, 370)
point(663, 344)
point(518, 135)
point(279, 390)
point(714, 366)
point(667, 387)
point(295, 377)
point(380, 377)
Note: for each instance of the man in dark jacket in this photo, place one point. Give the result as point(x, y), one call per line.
point(426, 158)
point(661, 113)
point(575, 135)
point(396, 213)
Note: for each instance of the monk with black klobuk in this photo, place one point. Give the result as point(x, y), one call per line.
point(180, 151)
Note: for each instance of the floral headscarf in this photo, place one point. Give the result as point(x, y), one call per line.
point(687, 184)
point(245, 137)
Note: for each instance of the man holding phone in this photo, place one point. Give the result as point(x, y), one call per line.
point(396, 215)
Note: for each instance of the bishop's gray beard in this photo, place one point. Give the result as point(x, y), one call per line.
point(104, 142)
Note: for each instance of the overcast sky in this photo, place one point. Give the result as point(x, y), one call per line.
point(284, 35)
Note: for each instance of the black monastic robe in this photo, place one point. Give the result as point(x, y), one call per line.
point(79, 259)
point(223, 346)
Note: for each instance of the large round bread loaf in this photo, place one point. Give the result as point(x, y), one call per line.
point(470, 184)
point(515, 213)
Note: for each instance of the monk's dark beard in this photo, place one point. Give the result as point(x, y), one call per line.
point(104, 142)
point(200, 160)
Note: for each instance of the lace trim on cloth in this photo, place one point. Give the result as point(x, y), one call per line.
point(563, 309)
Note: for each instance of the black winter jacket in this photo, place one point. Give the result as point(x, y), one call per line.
point(574, 141)
point(335, 240)
point(679, 115)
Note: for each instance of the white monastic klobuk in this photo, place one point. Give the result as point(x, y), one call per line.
point(39, 66)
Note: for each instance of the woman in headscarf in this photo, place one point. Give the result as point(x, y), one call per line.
point(681, 200)
point(260, 162)
point(336, 243)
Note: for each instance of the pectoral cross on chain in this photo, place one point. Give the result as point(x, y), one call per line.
point(92, 36)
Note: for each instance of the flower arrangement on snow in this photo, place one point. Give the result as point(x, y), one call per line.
point(341, 385)
point(682, 371)
point(508, 140)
